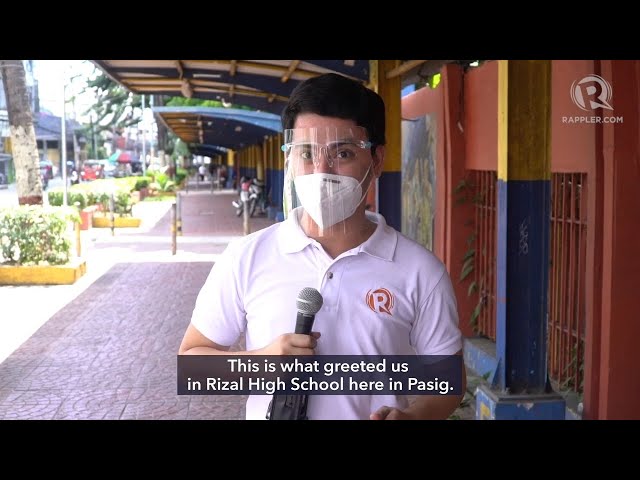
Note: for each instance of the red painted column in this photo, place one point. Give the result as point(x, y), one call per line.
point(456, 215)
point(619, 389)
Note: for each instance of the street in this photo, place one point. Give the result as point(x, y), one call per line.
point(9, 197)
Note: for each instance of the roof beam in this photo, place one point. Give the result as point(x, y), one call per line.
point(404, 68)
point(185, 88)
point(234, 65)
point(290, 70)
point(180, 69)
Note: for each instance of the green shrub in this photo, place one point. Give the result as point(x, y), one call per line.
point(78, 199)
point(35, 235)
point(123, 203)
point(74, 196)
point(180, 177)
point(162, 183)
point(181, 174)
point(104, 199)
point(55, 198)
point(161, 179)
point(92, 198)
point(141, 183)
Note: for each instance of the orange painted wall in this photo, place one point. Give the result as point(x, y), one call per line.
point(572, 144)
point(609, 155)
point(480, 117)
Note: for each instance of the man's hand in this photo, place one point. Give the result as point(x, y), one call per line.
point(389, 413)
point(291, 344)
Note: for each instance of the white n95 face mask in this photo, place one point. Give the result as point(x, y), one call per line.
point(328, 198)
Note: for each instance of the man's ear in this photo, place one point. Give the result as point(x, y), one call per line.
point(378, 160)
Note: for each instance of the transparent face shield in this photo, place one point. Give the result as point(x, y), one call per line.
point(328, 172)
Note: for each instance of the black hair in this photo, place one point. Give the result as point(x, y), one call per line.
point(333, 95)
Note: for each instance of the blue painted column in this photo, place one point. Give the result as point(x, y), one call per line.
point(231, 167)
point(520, 386)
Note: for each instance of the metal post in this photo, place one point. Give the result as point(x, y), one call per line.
point(173, 228)
point(144, 143)
point(93, 132)
point(244, 196)
point(78, 239)
point(63, 139)
point(76, 151)
point(151, 129)
point(179, 214)
point(112, 207)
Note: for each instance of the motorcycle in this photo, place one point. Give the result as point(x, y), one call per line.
point(252, 191)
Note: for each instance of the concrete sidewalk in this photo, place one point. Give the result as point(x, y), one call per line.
point(105, 347)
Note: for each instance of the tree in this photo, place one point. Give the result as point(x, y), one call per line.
point(23, 136)
point(115, 106)
point(199, 102)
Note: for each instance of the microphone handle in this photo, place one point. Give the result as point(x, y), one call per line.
point(304, 323)
point(292, 407)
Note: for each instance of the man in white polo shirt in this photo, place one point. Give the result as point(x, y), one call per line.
point(383, 294)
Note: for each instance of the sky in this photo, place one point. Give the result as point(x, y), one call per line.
point(50, 74)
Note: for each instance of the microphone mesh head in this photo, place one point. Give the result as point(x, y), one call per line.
point(309, 301)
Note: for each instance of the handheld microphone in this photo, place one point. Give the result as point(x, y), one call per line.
point(294, 407)
point(309, 302)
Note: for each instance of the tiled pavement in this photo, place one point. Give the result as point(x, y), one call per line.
point(102, 358)
point(110, 352)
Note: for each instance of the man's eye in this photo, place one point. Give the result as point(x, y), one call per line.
point(344, 154)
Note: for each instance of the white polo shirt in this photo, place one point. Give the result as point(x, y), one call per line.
point(388, 296)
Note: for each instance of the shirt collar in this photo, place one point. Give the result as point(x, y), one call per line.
point(291, 237)
point(381, 244)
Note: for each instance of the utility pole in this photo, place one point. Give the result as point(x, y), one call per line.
point(144, 142)
point(152, 152)
point(93, 134)
point(63, 139)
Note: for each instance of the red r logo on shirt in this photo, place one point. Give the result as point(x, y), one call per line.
point(380, 300)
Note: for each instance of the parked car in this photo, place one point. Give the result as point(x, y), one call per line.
point(91, 170)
